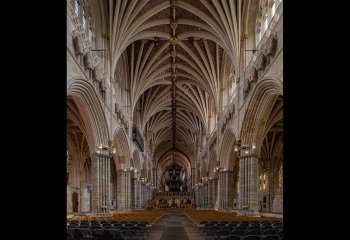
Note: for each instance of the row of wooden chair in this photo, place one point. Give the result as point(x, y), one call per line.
point(134, 215)
point(197, 216)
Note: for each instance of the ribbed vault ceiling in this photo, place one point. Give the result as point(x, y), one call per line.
point(184, 43)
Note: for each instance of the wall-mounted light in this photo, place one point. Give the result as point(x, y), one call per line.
point(243, 147)
point(217, 167)
point(110, 147)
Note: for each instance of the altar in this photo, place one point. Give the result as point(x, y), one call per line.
point(173, 200)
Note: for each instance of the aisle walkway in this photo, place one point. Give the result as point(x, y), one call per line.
point(174, 226)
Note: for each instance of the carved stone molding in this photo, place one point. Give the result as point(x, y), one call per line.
point(97, 75)
point(261, 62)
point(173, 40)
point(254, 75)
point(173, 3)
point(78, 42)
point(271, 45)
point(173, 53)
point(173, 25)
point(88, 60)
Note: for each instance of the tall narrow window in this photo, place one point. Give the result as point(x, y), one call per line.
point(259, 37)
point(273, 9)
point(265, 24)
point(84, 20)
point(260, 182)
point(90, 34)
point(264, 183)
point(76, 5)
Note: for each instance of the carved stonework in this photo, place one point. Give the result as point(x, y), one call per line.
point(78, 43)
point(96, 74)
point(173, 40)
point(271, 45)
point(88, 59)
point(173, 53)
point(246, 88)
point(173, 3)
point(261, 62)
point(254, 75)
point(173, 25)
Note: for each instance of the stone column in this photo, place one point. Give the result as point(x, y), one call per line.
point(149, 192)
point(210, 193)
point(133, 193)
point(205, 195)
point(221, 206)
point(226, 191)
point(214, 191)
point(123, 190)
point(154, 177)
point(128, 191)
point(193, 178)
point(138, 194)
point(101, 195)
point(201, 197)
point(147, 195)
point(143, 195)
point(248, 186)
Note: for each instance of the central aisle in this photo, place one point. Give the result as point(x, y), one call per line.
point(174, 226)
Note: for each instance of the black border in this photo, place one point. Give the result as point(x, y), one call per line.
point(36, 119)
point(36, 108)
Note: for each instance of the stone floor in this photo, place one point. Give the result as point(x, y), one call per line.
point(174, 226)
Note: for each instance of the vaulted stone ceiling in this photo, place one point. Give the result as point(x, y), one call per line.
point(181, 46)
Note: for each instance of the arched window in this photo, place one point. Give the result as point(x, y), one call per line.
point(262, 181)
point(84, 15)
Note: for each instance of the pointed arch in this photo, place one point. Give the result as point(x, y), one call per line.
point(212, 164)
point(123, 150)
point(227, 155)
point(260, 104)
point(90, 107)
